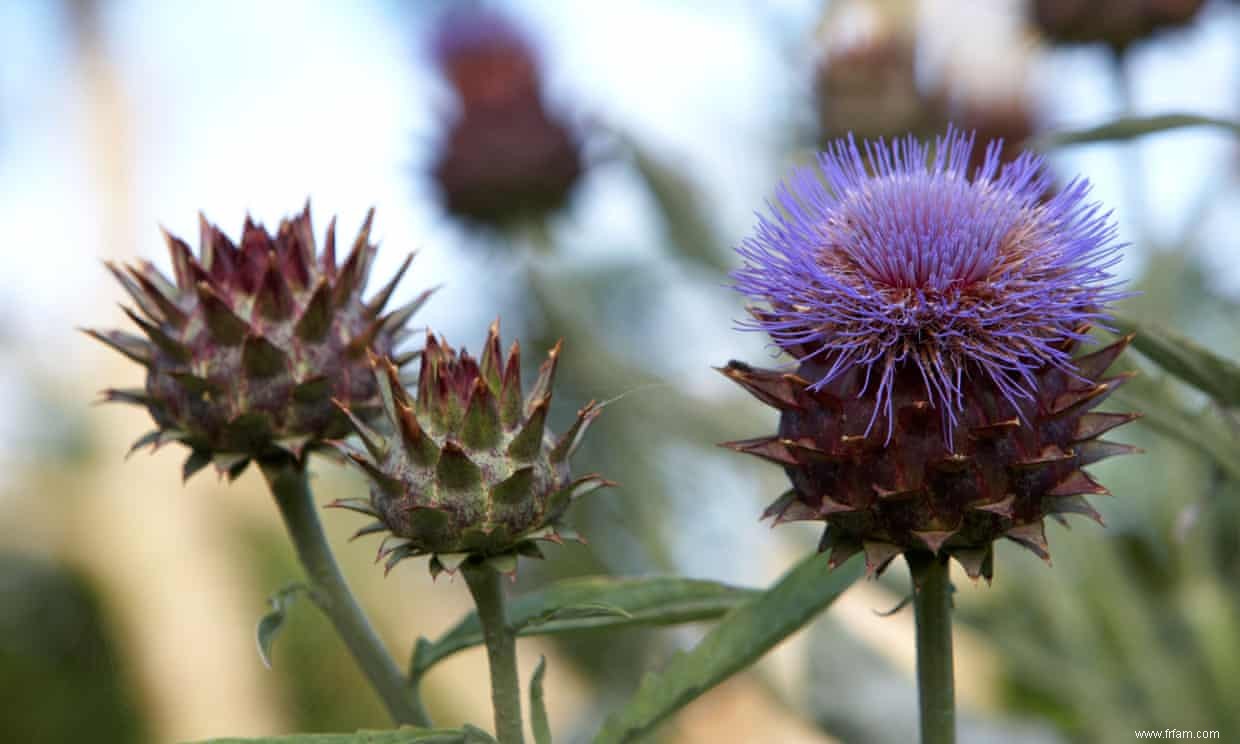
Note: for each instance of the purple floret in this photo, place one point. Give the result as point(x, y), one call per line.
point(889, 254)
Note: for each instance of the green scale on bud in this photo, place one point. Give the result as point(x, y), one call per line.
point(247, 348)
point(470, 469)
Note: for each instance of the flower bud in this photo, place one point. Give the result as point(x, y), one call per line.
point(470, 468)
point(248, 345)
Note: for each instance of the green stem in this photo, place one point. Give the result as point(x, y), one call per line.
point(484, 585)
point(289, 484)
point(932, 603)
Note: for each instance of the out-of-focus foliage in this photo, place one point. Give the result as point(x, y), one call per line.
point(740, 639)
point(595, 604)
point(62, 676)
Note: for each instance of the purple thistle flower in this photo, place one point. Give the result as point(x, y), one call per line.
point(889, 256)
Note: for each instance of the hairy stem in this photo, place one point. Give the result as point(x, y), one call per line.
point(932, 603)
point(484, 585)
point(291, 488)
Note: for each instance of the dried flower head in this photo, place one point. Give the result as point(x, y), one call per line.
point(937, 403)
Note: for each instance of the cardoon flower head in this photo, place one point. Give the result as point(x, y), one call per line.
point(471, 468)
point(934, 314)
point(248, 344)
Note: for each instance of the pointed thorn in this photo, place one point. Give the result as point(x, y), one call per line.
point(1003, 507)
point(778, 506)
point(132, 396)
point(149, 439)
point(1031, 536)
point(568, 444)
point(1095, 365)
point(796, 511)
point(170, 312)
point(370, 529)
point(196, 461)
point(546, 379)
point(773, 388)
point(1094, 450)
point(1076, 401)
point(361, 506)
point(772, 449)
point(398, 318)
point(1074, 505)
point(1095, 424)
point(134, 347)
point(977, 562)
point(381, 298)
point(157, 336)
point(1078, 483)
point(1048, 455)
point(878, 555)
point(934, 539)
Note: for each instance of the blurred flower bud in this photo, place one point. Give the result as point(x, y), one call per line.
point(1114, 22)
point(866, 75)
point(504, 158)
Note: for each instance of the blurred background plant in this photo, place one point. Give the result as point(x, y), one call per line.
point(582, 171)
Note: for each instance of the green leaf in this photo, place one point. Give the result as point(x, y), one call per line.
point(1204, 433)
point(1131, 127)
point(592, 603)
point(1184, 358)
point(739, 640)
point(581, 611)
point(538, 707)
point(464, 735)
point(271, 623)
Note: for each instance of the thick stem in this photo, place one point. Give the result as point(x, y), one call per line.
point(484, 585)
point(290, 486)
point(932, 602)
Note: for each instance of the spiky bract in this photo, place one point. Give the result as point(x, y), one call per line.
point(1011, 466)
point(937, 404)
point(471, 468)
point(246, 349)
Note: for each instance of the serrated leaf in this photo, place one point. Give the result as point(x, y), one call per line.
point(1130, 127)
point(740, 639)
point(1187, 360)
point(465, 735)
point(270, 624)
point(592, 603)
point(538, 706)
